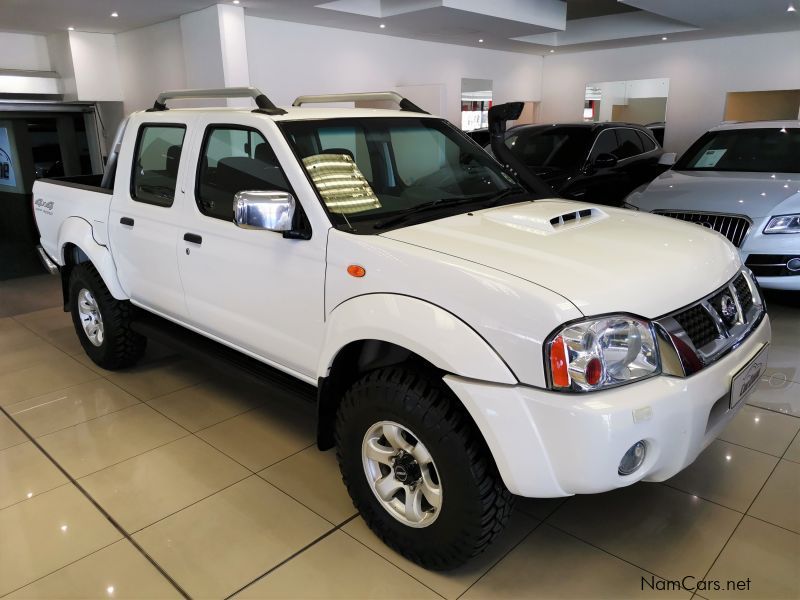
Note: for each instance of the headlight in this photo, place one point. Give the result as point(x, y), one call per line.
point(783, 224)
point(601, 353)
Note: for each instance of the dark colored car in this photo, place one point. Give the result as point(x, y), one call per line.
point(594, 162)
point(658, 130)
point(480, 136)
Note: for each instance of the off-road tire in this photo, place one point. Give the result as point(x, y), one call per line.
point(121, 347)
point(475, 503)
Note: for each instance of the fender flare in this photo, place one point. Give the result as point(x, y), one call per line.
point(78, 232)
point(426, 329)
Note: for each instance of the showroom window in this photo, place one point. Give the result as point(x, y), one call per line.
point(235, 159)
point(158, 155)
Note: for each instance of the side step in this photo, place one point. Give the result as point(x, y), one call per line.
point(219, 357)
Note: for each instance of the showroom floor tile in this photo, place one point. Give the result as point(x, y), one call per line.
point(221, 544)
point(223, 488)
point(117, 571)
point(47, 532)
point(772, 548)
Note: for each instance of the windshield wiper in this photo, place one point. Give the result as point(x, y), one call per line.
point(495, 200)
point(425, 206)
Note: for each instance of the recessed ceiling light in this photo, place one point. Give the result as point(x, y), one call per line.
point(664, 39)
point(791, 8)
point(382, 25)
point(71, 28)
point(480, 41)
point(551, 51)
point(115, 14)
point(236, 1)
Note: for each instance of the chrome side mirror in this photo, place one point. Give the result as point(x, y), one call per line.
point(272, 211)
point(668, 158)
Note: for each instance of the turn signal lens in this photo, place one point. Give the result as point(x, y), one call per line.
point(558, 363)
point(356, 270)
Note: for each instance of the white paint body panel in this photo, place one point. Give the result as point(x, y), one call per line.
point(548, 444)
point(475, 294)
point(626, 262)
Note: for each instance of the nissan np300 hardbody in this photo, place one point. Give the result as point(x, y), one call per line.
point(469, 342)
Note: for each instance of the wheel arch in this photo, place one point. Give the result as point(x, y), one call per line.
point(77, 244)
point(379, 330)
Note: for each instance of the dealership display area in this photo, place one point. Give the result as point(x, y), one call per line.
point(434, 299)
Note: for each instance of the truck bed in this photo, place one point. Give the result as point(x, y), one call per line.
point(57, 200)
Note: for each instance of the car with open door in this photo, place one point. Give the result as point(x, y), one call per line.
point(593, 162)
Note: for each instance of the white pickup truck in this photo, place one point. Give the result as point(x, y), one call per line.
point(468, 341)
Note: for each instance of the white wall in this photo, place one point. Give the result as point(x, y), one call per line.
point(291, 59)
point(94, 61)
point(700, 73)
point(150, 61)
point(24, 52)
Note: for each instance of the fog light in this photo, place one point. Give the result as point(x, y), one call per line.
point(633, 458)
point(793, 264)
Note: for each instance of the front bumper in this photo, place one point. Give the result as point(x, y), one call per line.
point(549, 444)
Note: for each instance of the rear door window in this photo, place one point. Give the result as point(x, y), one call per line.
point(629, 143)
point(156, 161)
point(648, 145)
point(606, 143)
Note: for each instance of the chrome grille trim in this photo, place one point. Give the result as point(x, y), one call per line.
point(733, 227)
point(675, 340)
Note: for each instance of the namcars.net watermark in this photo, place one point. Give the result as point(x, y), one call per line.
point(693, 584)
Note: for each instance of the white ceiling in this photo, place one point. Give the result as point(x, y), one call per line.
point(528, 26)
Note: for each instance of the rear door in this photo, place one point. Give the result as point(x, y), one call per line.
point(146, 213)
point(252, 289)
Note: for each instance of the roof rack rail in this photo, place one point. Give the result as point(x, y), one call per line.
point(405, 103)
point(264, 104)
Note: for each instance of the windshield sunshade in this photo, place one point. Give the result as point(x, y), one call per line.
point(343, 187)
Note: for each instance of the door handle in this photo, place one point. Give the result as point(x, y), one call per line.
point(193, 238)
point(126, 221)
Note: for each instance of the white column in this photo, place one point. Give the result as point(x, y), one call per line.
point(215, 49)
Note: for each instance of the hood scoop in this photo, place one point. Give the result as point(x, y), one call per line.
point(547, 223)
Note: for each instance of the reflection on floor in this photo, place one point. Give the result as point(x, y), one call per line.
point(217, 490)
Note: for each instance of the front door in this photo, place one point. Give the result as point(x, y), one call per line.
point(146, 215)
point(252, 289)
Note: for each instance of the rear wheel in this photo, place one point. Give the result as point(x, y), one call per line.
point(102, 322)
point(417, 469)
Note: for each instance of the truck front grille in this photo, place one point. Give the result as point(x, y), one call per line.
point(698, 325)
point(733, 227)
point(704, 331)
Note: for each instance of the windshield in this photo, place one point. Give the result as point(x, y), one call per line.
point(371, 169)
point(553, 147)
point(767, 150)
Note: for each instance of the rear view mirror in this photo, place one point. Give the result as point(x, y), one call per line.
point(605, 160)
point(668, 158)
point(271, 211)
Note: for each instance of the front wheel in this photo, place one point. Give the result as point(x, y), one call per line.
point(417, 468)
point(102, 322)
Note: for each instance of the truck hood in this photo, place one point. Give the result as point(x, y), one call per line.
point(601, 259)
point(755, 195)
